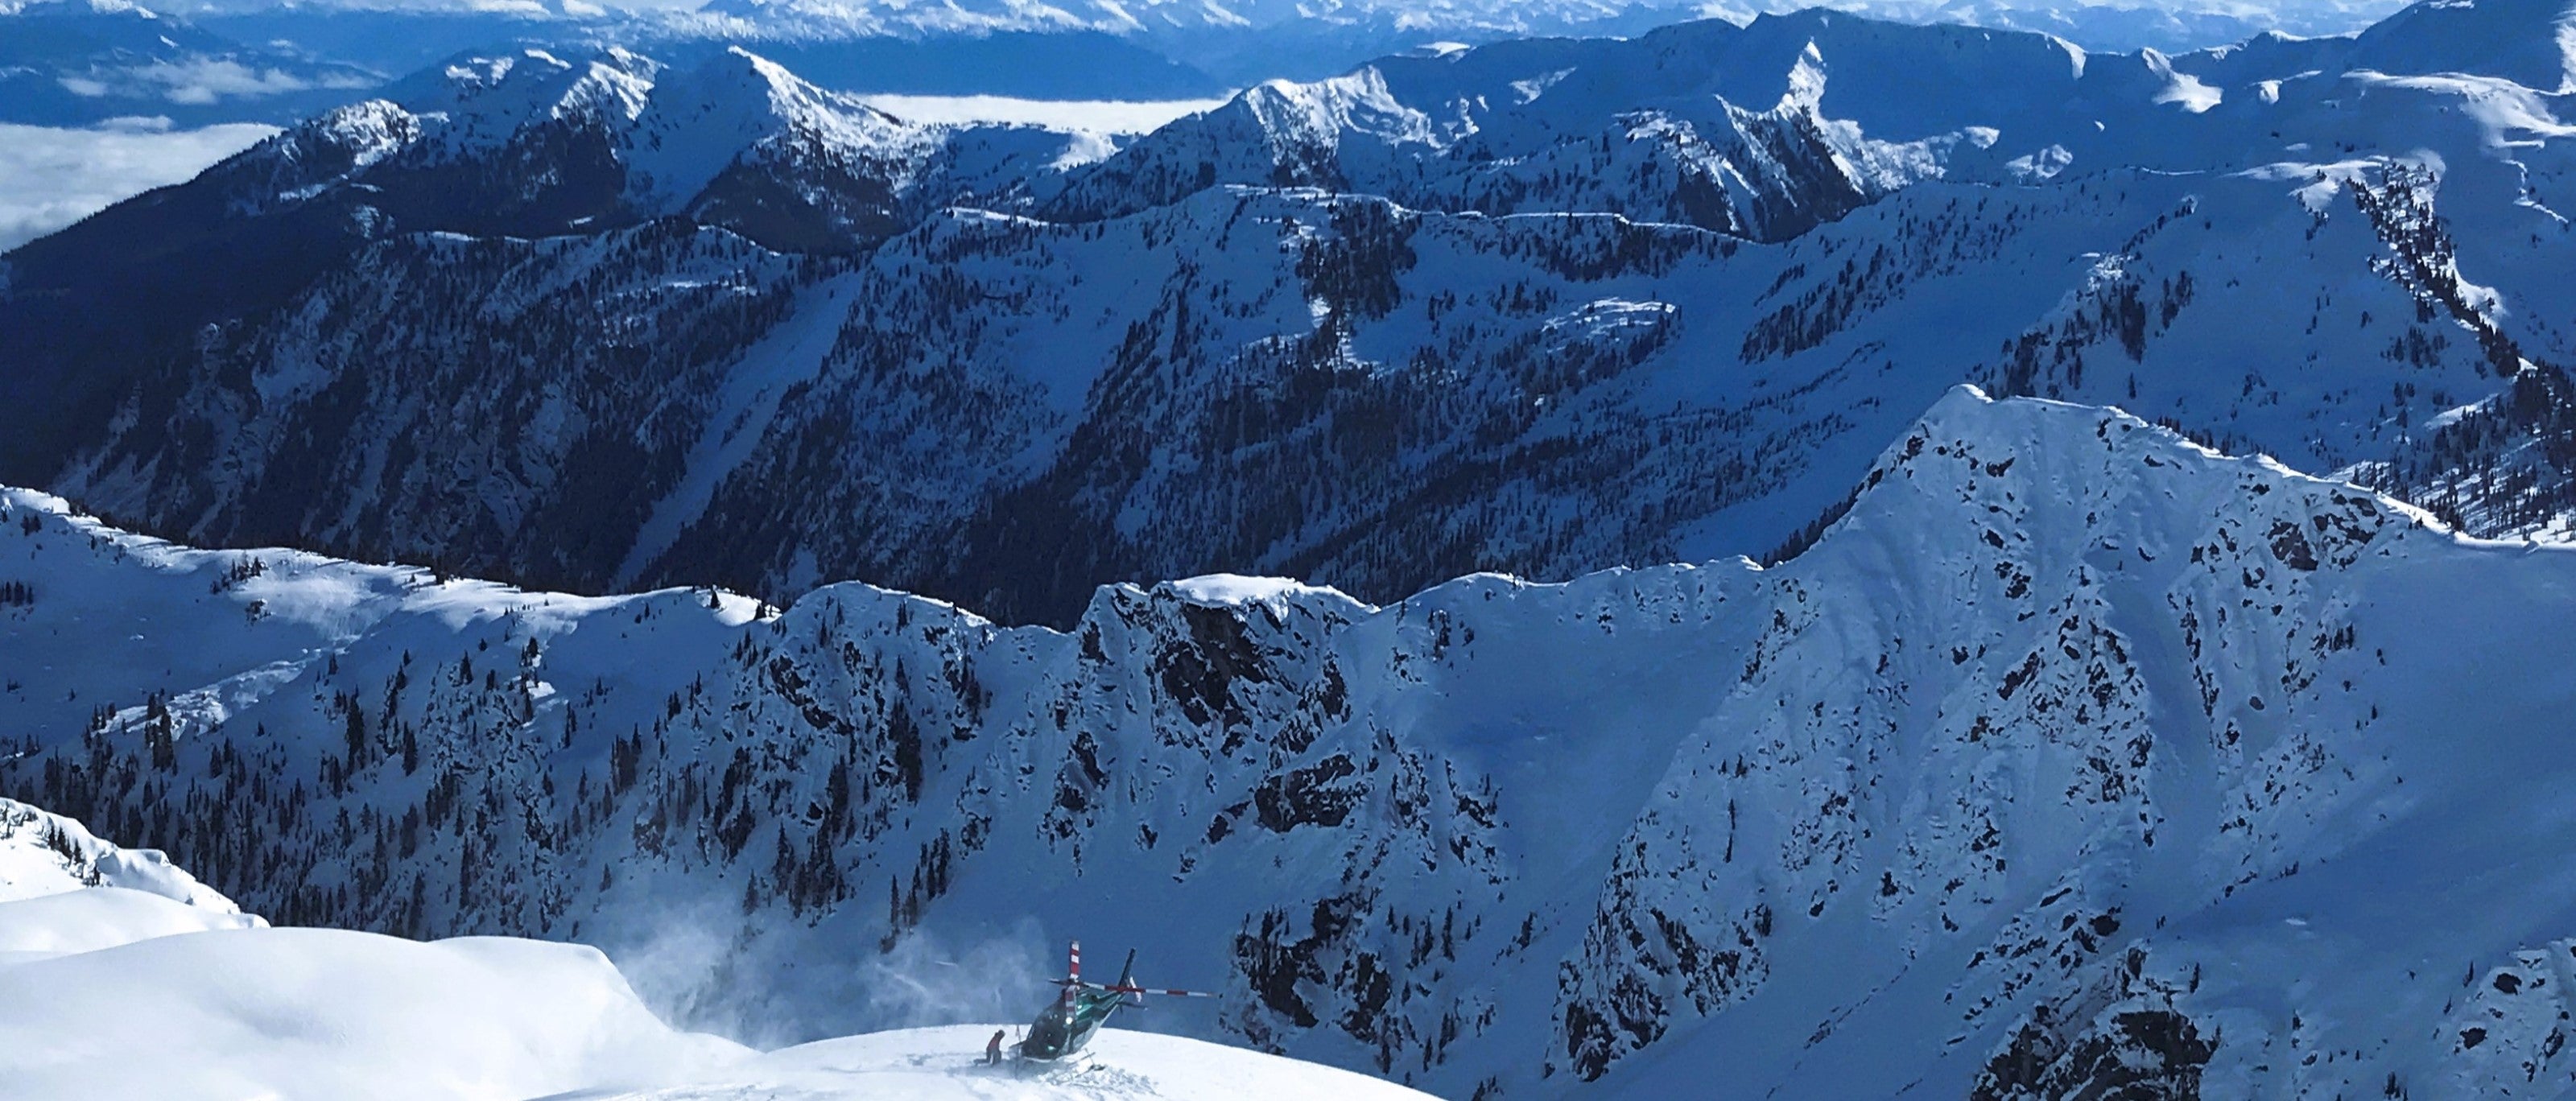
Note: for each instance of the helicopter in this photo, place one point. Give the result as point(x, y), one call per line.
point(1063, 1028)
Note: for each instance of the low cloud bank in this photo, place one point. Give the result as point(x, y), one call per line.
point(51, 176)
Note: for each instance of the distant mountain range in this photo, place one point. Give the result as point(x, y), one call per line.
point(75, 62)
point(1543, 306)
point(71, 62)
point(1736, 640)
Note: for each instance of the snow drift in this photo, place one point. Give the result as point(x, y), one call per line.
point(146, 996)
point(42, 854)
point(316, 1013)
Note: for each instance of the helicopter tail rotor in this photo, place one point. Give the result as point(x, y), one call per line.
point(1072, 983)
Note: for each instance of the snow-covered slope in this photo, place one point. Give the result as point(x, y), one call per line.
point(946, 1064)
point(87, 919)
point(2074, 754)
point(144, 983)
point(43, 854)
point(2529, 42)
point(1544, 306)
point(316, 1013)
point(555, 145)
point(1597, 126)
point(177, 995)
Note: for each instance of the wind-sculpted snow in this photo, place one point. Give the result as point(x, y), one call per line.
point(2073, 756)
point(127, 955)
point(940, 1064)
point(143, 996)
point(43, 854)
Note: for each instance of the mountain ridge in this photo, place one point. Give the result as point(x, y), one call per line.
point(976, 324)
point(2156, 701)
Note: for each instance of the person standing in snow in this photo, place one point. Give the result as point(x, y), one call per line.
point(993, 1049)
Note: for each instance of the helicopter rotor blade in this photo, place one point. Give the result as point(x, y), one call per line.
point(1163, 992)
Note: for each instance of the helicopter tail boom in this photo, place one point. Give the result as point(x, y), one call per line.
point(1072, 982)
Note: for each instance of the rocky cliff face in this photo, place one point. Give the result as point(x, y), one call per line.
point(1543, 307)
point(2073, 756)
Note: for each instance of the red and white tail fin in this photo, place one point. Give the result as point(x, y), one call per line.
point(1072, 972)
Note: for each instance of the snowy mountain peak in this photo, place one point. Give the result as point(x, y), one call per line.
point(2063, 709)
point(2007, 771)
point(2530, 42)
point(739, 72)
point(738, 105)
point(1806, 80)
point(530, 143)
point(1225, 590)
point(707, 113)
point(1317, 114)
point(485, 99)
point(334, 143)
point(2071, 456)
